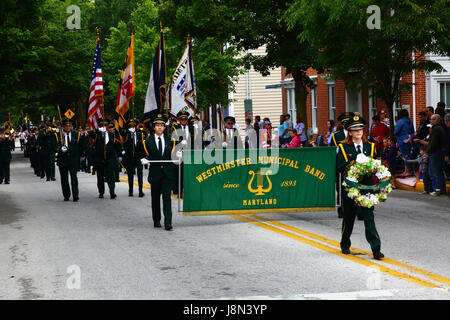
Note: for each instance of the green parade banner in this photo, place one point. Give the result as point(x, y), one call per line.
point(259, 180)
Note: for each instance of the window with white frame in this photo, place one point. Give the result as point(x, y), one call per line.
point(397, 107)
point(372, 106)
point(314, 109)
point(445, 93)
point(332, 101)
point(292, 110)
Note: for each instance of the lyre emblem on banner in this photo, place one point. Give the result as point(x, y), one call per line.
point(259, 191)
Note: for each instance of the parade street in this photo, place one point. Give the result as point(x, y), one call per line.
point(109, 249)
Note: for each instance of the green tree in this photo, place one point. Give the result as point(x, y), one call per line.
point(246, 25)
point(45, 62)
point(374, 58)
point(217, 62)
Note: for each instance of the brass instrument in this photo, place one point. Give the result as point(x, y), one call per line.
point(9, 129)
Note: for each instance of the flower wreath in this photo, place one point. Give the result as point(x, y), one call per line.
point(373, 194)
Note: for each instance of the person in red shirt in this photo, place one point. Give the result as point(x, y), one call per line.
point(379, 132)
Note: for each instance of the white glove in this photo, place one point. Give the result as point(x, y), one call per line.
point(224, 144)
point(83, 158)
point(195, 125)
point(179, 154)
point(120, 159)
point(184, 142)
point(64, 149)
point(144, 161)
point(123, 152)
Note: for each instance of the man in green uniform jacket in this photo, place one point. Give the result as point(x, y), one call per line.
point(6, 145)
point(73, 145)
point(131, 156)
point(356, 143)
point(161, 175)
point(32, 147)
point(106, 147)
point(53, 143)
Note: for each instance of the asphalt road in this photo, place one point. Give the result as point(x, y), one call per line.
point(108, 249)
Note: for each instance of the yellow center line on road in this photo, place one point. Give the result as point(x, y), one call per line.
point(430, 275)
point(332, 250)
point(338, 252)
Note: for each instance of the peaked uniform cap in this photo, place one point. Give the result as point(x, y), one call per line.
point(183, 114)
point(355, 123)
point(345, 116)
point(159, 119)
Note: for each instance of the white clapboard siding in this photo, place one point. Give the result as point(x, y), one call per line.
point(266, 102)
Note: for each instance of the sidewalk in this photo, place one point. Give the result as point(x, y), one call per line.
point(410, 184)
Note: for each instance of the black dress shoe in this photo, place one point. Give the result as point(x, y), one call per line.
point(1, 181)
point(378, 255)
point(48, 179)
point(76, 199)
point(168, 228)
point(6, 182)
point(100, 196)
point(157, 225)
point(130, 194)
point(66, 199)
point(346, 251)
point(141, 194)
point(113, 196)
point(53, 179)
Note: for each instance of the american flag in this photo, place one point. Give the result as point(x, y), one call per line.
point(96, 92)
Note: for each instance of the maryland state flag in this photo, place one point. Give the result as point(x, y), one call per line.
point(125, 90)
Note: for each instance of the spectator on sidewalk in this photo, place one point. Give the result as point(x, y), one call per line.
point(389, 155)
point(295, 142)
point(283, 134)
point(422, 160)
point(430, 112)
point(403, 131)
point(258, 123)
point(384, 117)
point(248, 129)
point(447, 146)
point(379, 132)
point(435, 149)
point(331, 128)
point(300, 128)
point(266, 135)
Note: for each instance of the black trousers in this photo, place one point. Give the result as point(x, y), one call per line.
point(43, 164)
point(132, 167)
point(34, 159)
point(162, 187)
point(64, 172)
point(4, 170)
point(106, 171)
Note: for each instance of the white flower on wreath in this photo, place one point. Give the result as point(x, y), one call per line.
point(362, 158)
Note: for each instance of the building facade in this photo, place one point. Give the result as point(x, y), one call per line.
point(330, 97)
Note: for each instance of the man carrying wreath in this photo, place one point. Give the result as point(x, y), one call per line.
point(356, 143)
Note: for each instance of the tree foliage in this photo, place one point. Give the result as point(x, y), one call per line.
point(372, 58)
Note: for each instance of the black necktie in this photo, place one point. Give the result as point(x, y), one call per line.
point(160, 146)
point(358, 151)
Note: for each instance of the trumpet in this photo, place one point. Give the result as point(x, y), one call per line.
point(9, 129)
